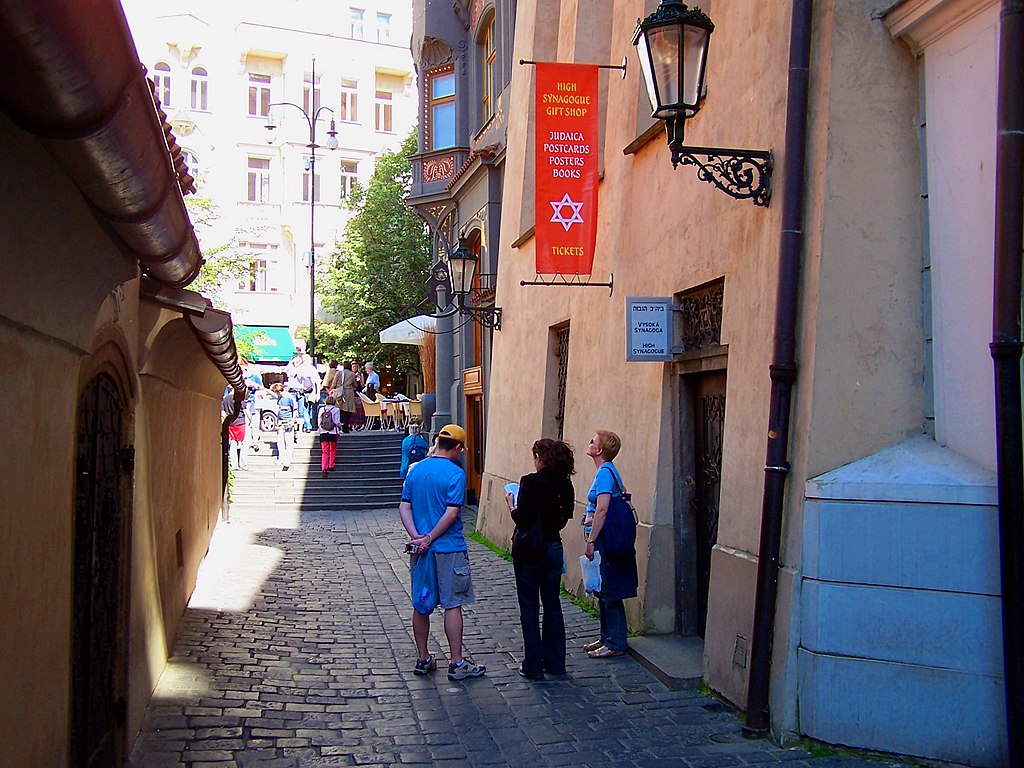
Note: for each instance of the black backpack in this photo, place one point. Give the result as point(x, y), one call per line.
point(417, 452)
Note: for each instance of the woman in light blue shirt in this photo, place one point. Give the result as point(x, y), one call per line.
point(618, 575)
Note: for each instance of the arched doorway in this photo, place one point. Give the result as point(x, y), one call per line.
point(103, 470)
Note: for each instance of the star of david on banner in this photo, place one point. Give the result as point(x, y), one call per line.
point(566, 167)
point(559, 215)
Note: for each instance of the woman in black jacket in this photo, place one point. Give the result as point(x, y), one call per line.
point(545, 504)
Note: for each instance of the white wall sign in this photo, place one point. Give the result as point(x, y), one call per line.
point(648, 328)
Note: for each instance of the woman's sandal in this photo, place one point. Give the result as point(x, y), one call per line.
point(593, 646)
point(605, 653)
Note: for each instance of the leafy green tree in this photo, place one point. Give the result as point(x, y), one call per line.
point(377, 273)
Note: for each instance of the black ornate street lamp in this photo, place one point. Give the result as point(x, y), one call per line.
point(462, 264)
point(672, 44)
point(332, 144)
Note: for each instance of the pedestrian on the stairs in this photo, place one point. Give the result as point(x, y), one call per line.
point(331, 378)
point(358, 418)
point(431, 512)
point(328, 422)
point(346, 395)
point(236, 433)
point(414, 448)
point(287, 414)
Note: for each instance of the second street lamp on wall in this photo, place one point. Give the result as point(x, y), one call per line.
point(462, 265)
point(672, 44)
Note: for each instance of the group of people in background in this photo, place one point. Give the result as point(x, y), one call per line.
point(543, 503)
point(301, 401)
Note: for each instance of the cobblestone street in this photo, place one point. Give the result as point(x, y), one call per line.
point(296, 650)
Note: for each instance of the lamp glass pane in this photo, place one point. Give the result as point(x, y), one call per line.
point(695, 41)
point(665, 58)
point(644, 54)
point(462, 268)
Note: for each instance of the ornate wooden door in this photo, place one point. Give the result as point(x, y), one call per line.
point(697, 529)
point(102, 469)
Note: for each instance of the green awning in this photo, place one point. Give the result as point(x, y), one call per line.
point(272, 343)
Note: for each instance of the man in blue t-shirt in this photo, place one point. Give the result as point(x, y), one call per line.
point(431, 512)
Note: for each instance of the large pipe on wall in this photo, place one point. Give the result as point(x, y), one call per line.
point(1006, 356)
point(72, 78)
point(783, 370)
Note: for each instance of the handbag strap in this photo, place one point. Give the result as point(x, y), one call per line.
point(615, 478)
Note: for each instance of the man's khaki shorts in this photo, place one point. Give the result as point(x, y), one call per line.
point(454, 582)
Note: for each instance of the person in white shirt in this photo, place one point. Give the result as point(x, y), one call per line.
point(372, 386)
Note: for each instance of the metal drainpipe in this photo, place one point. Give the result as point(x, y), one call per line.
point(1006, 356)
point(783, 370)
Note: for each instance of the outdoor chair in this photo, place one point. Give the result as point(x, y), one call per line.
point(416, 409)
point(372, 409)
point(387, 410)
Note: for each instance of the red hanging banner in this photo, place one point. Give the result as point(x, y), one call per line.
point(566, 152)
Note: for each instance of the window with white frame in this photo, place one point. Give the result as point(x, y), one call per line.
point(441, 112)
point(259, 95)
point(162, 79)
point(259, 180)
point(349, 112)
point(355, 16)
point(384, 28)
point(349, 173)
point(200, 89)
point(310, 94)
point(383, 112)
point(310, 176)
point(262, 268)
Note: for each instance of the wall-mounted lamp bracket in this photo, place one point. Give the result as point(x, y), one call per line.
point(744, 174)
point(574, 280)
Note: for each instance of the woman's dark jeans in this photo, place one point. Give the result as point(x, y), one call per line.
point(613, 625)
point(544, 652)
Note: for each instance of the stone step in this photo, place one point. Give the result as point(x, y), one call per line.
point(367, 464)
point(326, 490)
point(365, 476)
point(293, 479)
point(375, 503)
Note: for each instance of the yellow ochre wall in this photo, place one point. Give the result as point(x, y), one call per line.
point(70, 308)
point(661, 232)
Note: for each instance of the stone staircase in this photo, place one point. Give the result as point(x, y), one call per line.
point(365, 476)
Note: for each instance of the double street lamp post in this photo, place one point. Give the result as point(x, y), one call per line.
point(312, 189)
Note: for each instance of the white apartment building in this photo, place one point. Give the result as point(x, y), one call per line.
point(220, 68)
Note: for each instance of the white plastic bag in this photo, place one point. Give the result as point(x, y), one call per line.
point(591, 573)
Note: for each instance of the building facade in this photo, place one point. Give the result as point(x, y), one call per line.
point(222, 73)
point(463, 55)
point(885, 627)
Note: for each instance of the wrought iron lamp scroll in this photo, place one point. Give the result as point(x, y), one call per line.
point(672, 44)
